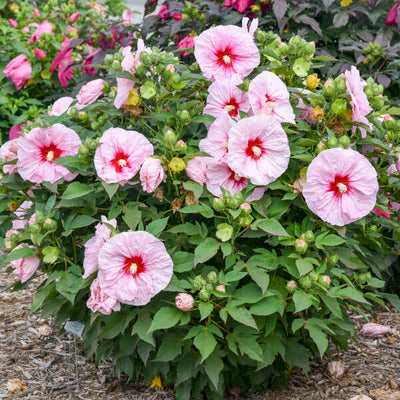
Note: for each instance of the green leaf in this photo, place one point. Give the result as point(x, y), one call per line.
point(302, 301)
point(171, 347)
point(241, 314)
point(110, 188)
point(213, 367)
point(22, 252)
point(328, 240)
point(205, 250)
point(166, 317)
point(205, 310)
point(193, 187)
point(318, 337)
point(78, 222)
point(333, 305)
point(349, 259)
point(183, 261)
point(352, 294)
point(202, 209)
point(247, 343)
point(297, 324)
point(259, 276)
point(157, 226)
point(268, 306)
point(205, 343)
point(271, 226)
point(116, 324)
point(75, 190)
point(304, 266)
point(141, 327)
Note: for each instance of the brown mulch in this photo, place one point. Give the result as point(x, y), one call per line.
point(45, 361)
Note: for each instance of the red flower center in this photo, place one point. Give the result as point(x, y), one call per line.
point(340, 185)
point(255, 148)
point(225, 57)
point(236, 178)
point(50, 152)
point(120, 161)
point(232, 107)
point(134, 266)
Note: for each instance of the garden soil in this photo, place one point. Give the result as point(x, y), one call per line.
point(41, 362)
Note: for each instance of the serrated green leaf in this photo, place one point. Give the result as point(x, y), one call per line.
point(301, 300)
point(205, 343)
point(268, 306)
point(304, 266)
point(165, 317)
point(75, 190)
point(205, 250)
point(157, 226)
point(241, 314)
point(205, 310)
point(271, 226)
point(318, 337)
point(213, 367)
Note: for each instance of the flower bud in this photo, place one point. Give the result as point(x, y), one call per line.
point(181, 145)
point(184, 301)
point(339, 106)
point(39, 216)
point(170, 137)
point(177, 164)
point(184, 115)
point(332, 142)
point(198, 282)
point(83, 150)
point(305, 282)
point(340, 82)
point(212, 277)
point(204, 295)
point(324, 281)
point(344, 141)
point(333, 259)
point(246, 207)
point(291, 285)
point(224, 232)
point(50, 224)
point(35, 228)
point(221, 288)
point(301, 246)
point(309, 237)
point(218, 204)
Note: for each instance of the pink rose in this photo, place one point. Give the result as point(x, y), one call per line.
point(44, 27)
point(19, 70)
point(184, 301)
point(151, 174)
point(39, 53)
point(90, 92)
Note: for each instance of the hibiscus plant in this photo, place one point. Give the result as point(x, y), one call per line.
point(215, 223)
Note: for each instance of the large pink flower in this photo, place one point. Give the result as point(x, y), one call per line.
point(38, 148)
point(268, 95)
point(44, 27)
point(15, 132)
point(225, 96)
point(151, 174)
point(341, 186)
point(225, 50)
point(63, 62)
point(134, 267)
point(120, 155)
point(90, 92)
point(359, 100)
point(216, 142)
point(99, 301)
point(61, 106)
point(8, 152)
point(186, 43)
point(258, 149)
point(19, 70)
point(128, 62)
point(87, 63)
point(94, 244)
point(25, 267)
point(196, 169)
point(124, 86)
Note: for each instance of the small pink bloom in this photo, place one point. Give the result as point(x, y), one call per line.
point(225, 50)
point(300, 243)
point(124, 86)
point(291, 285)
point(8, 152)
point(61, 106)
point(246, 207)
point(36, 12)
point(151, 174)
point(269, 95)
point(224, 96)
point(101, 302)
point(328, 83)
point(196, 169)
point(392, 18)
point(359, 100)
point(180, 143)
point(186, 43)
point(170, 67)
point(94, 244)
point(128, 62)
point(373, 330)
point(221, 288)
point(14, 132)
point(44, 27)
point(127, 17)
point(89, 93)
point(341, 186)
point(39, 53)
point(25, 267)
point(13, 23)
point(87, 68)
point(134, 267)
point(241, 5)
point(63, 62)
point(216, 142)
point(24, 207)
point(381, 213)
point(326, 279)
point(163, 13)
point(38, 148)
point(19, 70)
point(184, 301)
point(74, 17)
point(258, 149)
point(176, 16)
point(32, 219)
point(120, 155)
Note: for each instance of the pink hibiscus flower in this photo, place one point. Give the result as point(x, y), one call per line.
point(120, 155)
point(134, 267)
point(130, 61)
point(40, 54)
point(392, 18)
point(186, 43)
point(225, 50)
point(196, 169)
point(225, 96)
point(44, 27)
point(239, 5)
point(268, 95)
point(124, 86)
point(19, 70)
point(94, 244)
point(62, 62)
point(258, 149)
point(89, 93)
point(25, 267)
point(38, 148)
point(359, 101)
point(87, 63)
point(341, 186)
point(127, 17)
point(99, 301)
point(8, 152)
point(151, 174)
point(216, 142)
point(163, 13)
point(61, 106)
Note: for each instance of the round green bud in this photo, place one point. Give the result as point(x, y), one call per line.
point(198, 282)
point(372, 228)
point(184, 115)
point(340, 82)
point(35, 228)
point(301, 246)
point(209, 287)
point(309, 236)
point(204, 295)
point(333, 259)
point(344, 141)
point(50, 224)
point(332, 142)
point(83, 150)
point(212, 277)
point(39, 217)
point(339, 106)
point(108, 59)
point(218, 204)
point(324, 281)
point(170, 137)
point(305, 282)
point(83, 116)
point(233, 203)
